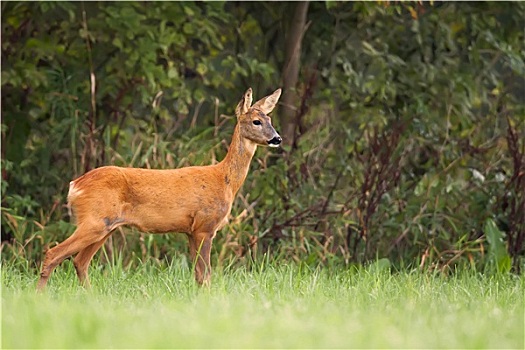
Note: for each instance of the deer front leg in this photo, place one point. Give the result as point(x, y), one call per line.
point(200, 250)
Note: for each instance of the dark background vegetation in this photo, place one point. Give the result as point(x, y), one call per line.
point(403, 122)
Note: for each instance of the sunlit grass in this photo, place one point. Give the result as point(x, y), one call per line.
point(270, 306)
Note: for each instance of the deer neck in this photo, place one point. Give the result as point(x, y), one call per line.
point(237, 161)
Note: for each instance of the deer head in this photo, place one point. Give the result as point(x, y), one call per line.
point(254, 122)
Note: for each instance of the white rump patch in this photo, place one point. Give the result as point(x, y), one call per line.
point(73, 191)
point(72, 194)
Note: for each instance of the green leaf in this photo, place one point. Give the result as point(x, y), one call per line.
point(498, 255)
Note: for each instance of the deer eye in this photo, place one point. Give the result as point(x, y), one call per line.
point(256, 122)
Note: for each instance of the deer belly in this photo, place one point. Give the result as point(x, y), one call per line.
point(160, 220)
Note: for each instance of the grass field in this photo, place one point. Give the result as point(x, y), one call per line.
point(269, 307)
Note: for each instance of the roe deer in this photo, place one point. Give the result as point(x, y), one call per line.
point(194, 200)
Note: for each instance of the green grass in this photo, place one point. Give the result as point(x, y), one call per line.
point(273, 306)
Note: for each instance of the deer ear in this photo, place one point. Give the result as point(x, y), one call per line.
point(244, 103)
point(268, 103)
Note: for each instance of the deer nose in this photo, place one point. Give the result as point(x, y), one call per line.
point(276, 141)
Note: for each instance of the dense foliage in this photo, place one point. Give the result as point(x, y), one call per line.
point(406, 139)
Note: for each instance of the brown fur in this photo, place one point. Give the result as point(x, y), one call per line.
point(193, 200)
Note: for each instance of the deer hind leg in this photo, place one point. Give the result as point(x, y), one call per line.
point(200, 251)
point(84, 236)
point(83, 259)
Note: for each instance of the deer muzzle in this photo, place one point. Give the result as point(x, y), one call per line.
point(275, 142)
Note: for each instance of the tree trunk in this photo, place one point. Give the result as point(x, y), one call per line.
point(292, 60)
